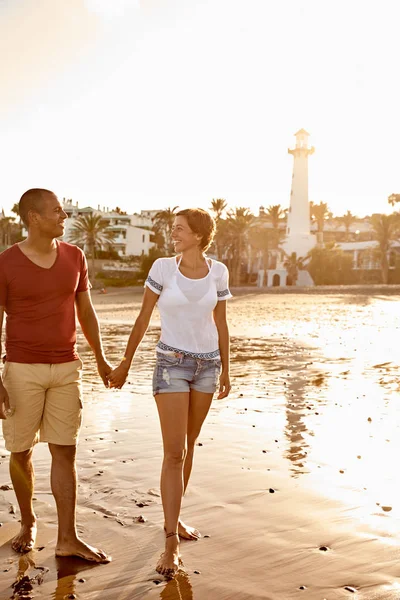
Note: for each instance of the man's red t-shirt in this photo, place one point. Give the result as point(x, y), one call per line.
point(40, 304)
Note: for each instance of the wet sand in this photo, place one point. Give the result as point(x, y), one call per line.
point(294, 481)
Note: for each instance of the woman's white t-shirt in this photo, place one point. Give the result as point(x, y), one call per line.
point(186, 307)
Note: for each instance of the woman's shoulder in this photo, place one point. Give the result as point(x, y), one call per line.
point(219, 267)
point(165, 262)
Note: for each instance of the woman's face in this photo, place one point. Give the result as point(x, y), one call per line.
point(182, 236)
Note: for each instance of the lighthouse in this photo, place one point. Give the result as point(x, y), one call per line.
point(298, 236)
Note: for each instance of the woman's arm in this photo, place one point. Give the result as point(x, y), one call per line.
point(223, 341)
point(118, 377)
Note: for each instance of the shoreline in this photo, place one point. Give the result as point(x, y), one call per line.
point(362, 289)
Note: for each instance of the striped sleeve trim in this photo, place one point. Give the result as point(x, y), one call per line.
point(223, 293)
point(154, 284)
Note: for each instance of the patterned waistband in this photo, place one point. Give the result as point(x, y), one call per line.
point(203, 355)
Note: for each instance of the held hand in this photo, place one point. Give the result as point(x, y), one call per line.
point(104, 369)
point(224, 385)
point(4, 402)
point(118, 376)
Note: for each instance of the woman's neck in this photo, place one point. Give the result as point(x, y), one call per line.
point(193, 258)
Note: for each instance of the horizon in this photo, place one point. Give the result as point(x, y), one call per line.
point(136, 104)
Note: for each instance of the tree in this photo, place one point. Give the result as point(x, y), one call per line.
point(320, 213)
point(238, 222)
point(274, 214)
point(293, 265)
point(262, 240)
point(218, 207)
point(330, 265)
point(119, 211)
point(387, 230)
point(347, 220)
point(6, 224)
point(91, 231)
point(394, 199)
point(162, 224)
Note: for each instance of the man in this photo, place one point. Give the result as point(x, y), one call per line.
point(42, 280)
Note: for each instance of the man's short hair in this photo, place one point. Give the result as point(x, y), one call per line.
point(32, 200)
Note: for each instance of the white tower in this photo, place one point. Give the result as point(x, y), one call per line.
point(299, 239)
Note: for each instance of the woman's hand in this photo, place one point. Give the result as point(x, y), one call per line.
point(118, 376)
point(224, 385)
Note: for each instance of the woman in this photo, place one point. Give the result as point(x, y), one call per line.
point(192, 359)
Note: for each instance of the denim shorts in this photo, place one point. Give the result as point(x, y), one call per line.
point(177, 372)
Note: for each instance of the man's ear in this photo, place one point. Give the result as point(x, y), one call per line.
point(32, 217)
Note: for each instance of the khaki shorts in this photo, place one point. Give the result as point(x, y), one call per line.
point(48, 404)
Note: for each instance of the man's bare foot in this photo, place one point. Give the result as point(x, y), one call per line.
point(170, 560)
point(187, 533)
point(77, 547)
point(24, 541)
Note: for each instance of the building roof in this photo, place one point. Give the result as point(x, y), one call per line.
point(362, 245)
point(302, 131)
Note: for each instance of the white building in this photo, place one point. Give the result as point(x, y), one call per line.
point(365, 255)
point(129, 240)
point(299, 238)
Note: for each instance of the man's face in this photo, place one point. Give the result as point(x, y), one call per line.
point(51, 219)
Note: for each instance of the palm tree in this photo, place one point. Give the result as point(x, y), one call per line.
point(92, 232)
point(348, 219)
point(262, 240)
point(6, 230)
point(293, 265)
point(239, 222)
point(387, 230)
point(274, 214)
point(394, 199)
point(163, 222)
point(320, 213)
point(218, 207)
point(223, 238)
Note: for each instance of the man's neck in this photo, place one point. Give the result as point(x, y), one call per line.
point(39, 244)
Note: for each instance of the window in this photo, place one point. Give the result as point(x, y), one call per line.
point(143, 238)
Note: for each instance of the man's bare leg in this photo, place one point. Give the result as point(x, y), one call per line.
point(23, 477)
point(63, 485)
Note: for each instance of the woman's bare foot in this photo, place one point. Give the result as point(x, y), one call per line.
point(77, 547)
point(170, 560)
point(24, 541)
point(187, 533)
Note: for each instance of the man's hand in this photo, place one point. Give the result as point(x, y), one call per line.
point(104, 368)
point(224, 385)
point(118, 377)
point(4, 401)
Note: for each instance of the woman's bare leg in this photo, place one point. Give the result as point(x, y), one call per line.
point(173, 410)
point(199, 407)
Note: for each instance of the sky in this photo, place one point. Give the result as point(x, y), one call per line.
point(145, 104)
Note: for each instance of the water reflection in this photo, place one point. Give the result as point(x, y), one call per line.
point(178, 588)
point(68, 569)
point(296, 429)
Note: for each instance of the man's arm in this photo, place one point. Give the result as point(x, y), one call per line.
point(119, 375)
point(91, 330)
point(4, 402)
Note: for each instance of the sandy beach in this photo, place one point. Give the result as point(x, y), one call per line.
point(295, 474)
